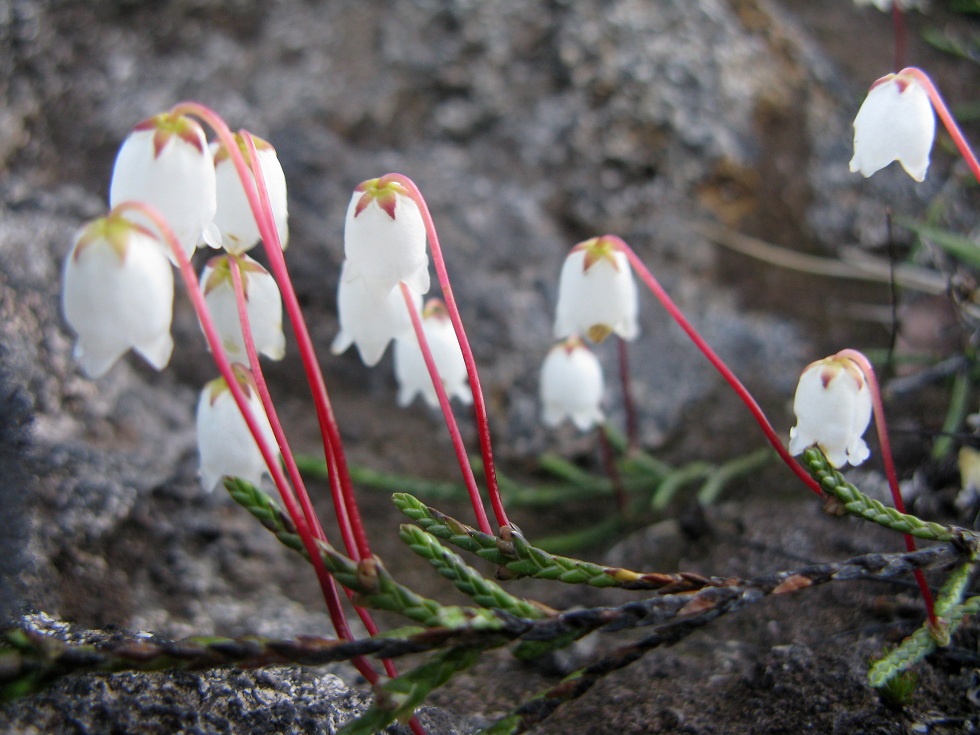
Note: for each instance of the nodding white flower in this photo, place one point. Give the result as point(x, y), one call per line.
point(411, 371)
point(226, 446)
point(596, 292)
point(118, 293)
point(165, 163)
point(263, 306)
point(833, 408)
point(235, 224)
point(895, 123)
point(384, 237)
point(571, 385)
point(368, 319)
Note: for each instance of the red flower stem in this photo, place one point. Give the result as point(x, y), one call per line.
point(327, 585)
point(341, 486)
point(348, 515)
point(258, 199)
point(479, 405)
point(329, 429)
point(291, 467)
point(609, 464)
point(898, 23)
point(336, 488)
point(447, 412)
point(241, 300)
point(939, 105)
point(267, 227)
point(261, 209)
point(632, 423)
point(647, 277)
point(886, 452)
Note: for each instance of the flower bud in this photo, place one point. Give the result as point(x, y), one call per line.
point(571, 385)
point(234, 221)
point(895, 123)
point(117, 294)
point(384, 238)
point(596, 292)
point(410, 368)
point(226, 446)
point(368, 319)
point(263, 306)
point(833, 408)
point(165, 163)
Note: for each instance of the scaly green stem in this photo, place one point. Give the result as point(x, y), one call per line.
point(32, 656)
point(373, 583)
point(466, 579)
point(928, 638)
point(518, 558)
point(856, 503)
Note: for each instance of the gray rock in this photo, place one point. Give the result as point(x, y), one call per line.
point(274, 699)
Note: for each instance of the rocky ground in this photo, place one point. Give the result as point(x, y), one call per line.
point(529, 127)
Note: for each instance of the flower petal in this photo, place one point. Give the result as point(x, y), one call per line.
point(598, 299)
point(895, 123)
point(175, 178)
point(118, 294)
point(571, 385)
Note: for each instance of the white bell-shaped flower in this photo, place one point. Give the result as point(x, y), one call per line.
point(596, 292)
point(896, 122)
point(384, 237)
point(226, 446)
point(833, 408)
point(118, 292)
point(165, 163)
point(368, 319)
point(234, 222)
point(410, 369)
point(263, 304)
point(571, 385)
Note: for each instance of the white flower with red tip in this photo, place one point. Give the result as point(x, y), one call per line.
point(234, 221)
point(596, 292)
point(225, 444)
point(384, 237)
point(370, 319)
point(571, 385)
point(896, 122)
point(117, 294)
point(263, 305)
point(833, 408)
point(410, 368)
point(165, 163)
